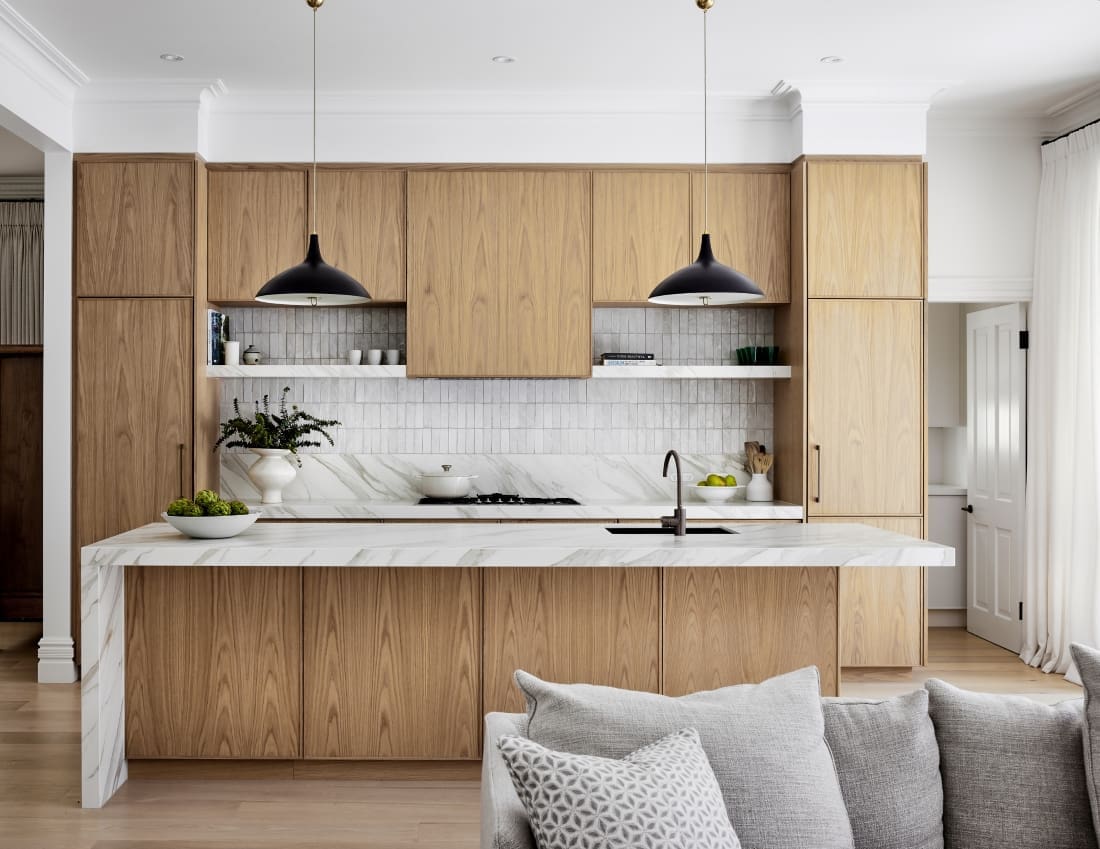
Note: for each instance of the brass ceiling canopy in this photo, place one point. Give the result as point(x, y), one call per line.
point(705, 5)
point(317, 4)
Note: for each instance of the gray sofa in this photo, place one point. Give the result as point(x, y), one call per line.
point(936, 769)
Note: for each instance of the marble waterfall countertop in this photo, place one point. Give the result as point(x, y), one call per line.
point(522, 545)
point(354, 509)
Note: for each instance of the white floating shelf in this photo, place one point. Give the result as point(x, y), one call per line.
point(598, 372)
point(692, 372)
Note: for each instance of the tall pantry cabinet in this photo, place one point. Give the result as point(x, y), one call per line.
point(142, 421)
point(859, 228)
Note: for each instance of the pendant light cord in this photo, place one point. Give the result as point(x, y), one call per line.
point(313, 210)
point(706, 133)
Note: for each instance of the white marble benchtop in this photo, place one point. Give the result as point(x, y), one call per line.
point(352, 509)
point(523, 545)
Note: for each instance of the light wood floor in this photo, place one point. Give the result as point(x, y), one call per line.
point(40, 757)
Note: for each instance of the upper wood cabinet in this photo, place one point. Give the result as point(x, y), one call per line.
point(257, 228)
point(499, 274)
point(641, 232)
point(865, 229)
point(135, 227)
point(361, 225)
point(750, 226)
point(865, 419)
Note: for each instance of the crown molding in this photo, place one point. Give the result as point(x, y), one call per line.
point(174, 92)
point(862, 93)
point(42, 46)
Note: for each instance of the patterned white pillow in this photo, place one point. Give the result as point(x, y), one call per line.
point(662, 796)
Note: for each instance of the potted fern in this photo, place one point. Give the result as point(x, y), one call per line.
point(274, 437)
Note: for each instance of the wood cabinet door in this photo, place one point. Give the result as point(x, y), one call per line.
point(361, 225)
point(392, 663)
point(641, 232)
point(865, 408)
point(257, 227)
point(499, 274)
point(594, 626)
point(135, 228)
point(213, 662)
point(750, 226)
point(865, 230)
point(743, 625)
point(21, 486)
point(133, 412)
point(882, 617)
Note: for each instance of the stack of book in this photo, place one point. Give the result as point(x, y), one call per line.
point(627, 359)
point(215, 348)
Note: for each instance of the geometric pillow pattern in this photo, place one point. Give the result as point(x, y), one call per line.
point(662, 796)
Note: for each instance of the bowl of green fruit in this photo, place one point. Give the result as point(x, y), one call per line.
point(207, 516)
point(715, 488)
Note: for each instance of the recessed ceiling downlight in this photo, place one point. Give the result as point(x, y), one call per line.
point(504, 60)
point(831, 60)
point(171, 57)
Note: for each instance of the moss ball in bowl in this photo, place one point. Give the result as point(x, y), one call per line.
point(207, 516)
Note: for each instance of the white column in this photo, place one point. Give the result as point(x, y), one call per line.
point(55, 649)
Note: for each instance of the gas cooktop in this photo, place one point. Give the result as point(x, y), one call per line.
point(499, 498)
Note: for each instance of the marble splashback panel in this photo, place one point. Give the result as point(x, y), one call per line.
point(611, 478)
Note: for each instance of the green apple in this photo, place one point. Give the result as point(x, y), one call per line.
point(715, 480)
point(731, 480)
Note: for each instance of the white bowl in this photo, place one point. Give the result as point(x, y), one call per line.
point(212, 527)
point(715, 494)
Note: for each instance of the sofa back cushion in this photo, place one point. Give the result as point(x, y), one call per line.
point(889, 767)
point(765, 742)
point(1013, 771)
point(1088, 667)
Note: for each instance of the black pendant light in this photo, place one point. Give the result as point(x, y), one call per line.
point(313, 283)
point(706, 282)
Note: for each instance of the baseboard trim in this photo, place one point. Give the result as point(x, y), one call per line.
point(946, 618)
point(55, 661)
point(289, 770)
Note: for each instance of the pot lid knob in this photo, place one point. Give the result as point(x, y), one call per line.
point(446, 467)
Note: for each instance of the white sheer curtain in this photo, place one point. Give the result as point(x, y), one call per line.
point(1063, 445)
point(21, 273)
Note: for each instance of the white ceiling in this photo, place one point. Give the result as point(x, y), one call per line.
point(19, 159)
point(1003, 56)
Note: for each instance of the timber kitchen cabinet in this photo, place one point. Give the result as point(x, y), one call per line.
point(750, 226)
point(641, 232)
point(257, 228)
point(499, 279)
point(865, 229)
point(135, 223)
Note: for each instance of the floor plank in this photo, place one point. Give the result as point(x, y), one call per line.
point(40, 761)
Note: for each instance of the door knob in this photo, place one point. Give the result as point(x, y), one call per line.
point(969, 508)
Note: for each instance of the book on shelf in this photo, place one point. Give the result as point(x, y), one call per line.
point(217, 325)
point(627, 356)
point(628, 363)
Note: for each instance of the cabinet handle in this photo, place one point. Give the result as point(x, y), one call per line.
point(181, 450)
point(817, 494)
point(969, 508)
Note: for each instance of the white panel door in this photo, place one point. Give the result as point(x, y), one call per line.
point(996, 379)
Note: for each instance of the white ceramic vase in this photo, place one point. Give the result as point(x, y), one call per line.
point(271, 472)
point(759, 489)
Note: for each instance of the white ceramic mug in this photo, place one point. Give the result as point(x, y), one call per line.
point(374, 356)
point(355, 356)
point(393, 357)
point(232, 353)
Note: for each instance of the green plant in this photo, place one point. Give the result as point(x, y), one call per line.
point(287, 428)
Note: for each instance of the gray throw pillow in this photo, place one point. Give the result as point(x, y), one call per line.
point(889, 766)
point(1013, 771)
point(765, 742)
point(663, 796)
point(1088, 667)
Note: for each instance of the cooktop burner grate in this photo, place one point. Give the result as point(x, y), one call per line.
point(500, 498)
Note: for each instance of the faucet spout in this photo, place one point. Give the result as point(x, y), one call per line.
point(678, 519)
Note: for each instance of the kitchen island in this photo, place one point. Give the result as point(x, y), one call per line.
point(315, 642)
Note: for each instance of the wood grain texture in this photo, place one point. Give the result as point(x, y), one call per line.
point(257, 228)
point(392, 663)
point(865, 408)
point(882, 612)
point(134, 228)
point(789, 472)
point(596, 626)
point(207, 390)
point(132, 412)
point(750, 226)
point(499, 274)
point(866, 229)
point(213, 662)
point(736, 626)
point(361, 225)
point(641, 232)
point(21, 487)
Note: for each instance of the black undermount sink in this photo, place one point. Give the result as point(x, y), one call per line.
point(690, 530)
